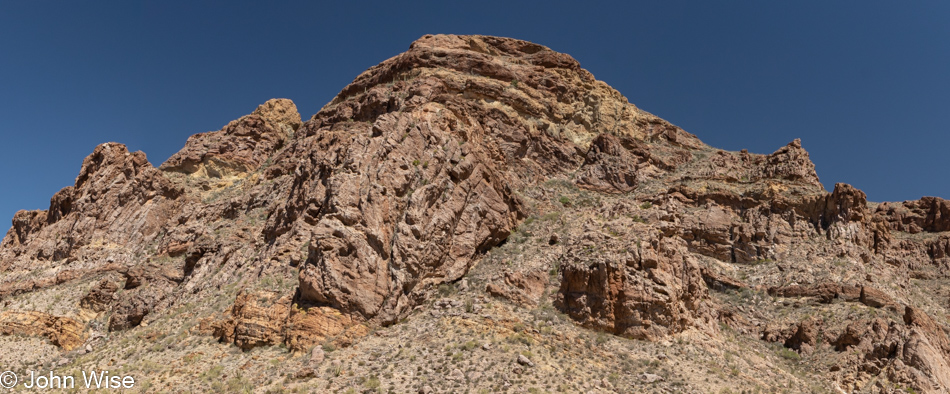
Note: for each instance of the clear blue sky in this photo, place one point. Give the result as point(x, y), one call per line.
point(864, 84)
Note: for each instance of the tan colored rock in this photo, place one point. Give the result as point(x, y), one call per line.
point(61, 331)
point(240, 147)
point(20, 286)
point(279, 112)
point(255, 320)
point(266, 318)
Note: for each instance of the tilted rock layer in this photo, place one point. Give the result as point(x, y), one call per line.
point(303, 233)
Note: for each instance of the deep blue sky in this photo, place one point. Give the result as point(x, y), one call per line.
point(864, 84)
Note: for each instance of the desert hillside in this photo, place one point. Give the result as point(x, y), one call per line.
point(477, 214)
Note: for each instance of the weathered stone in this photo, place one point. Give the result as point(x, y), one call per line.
point(655, 294)
point(525, 361)
point(240, 147)
point(524, 288)
point(267, 318)
point(317, 355)
point(100, 297)
point(61, 331)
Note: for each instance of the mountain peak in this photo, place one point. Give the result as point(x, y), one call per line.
point(489, 190)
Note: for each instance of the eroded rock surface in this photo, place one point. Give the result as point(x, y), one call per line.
point(502, 164)
point(61, 331)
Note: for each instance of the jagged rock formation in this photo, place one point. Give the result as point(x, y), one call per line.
point(61, 331)
point(264, 319)
point(278, 231)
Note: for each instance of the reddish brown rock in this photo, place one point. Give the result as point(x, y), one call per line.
point(917, 318)
point(875, 298)
point(100, 297)
point(828, 292)
point(419, 193)
point(805, 336)
point(930, 214)
point(653, 294)
point(852, 335)
point(521, 287)
point(106, 205)
point(791, 163)
point(399, 184)
point(845, 204)
point(609, 167)
point(328, 228)
point(721, 282)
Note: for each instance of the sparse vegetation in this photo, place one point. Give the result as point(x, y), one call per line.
point(447, 289)
point(789, 354)
point(565, 201)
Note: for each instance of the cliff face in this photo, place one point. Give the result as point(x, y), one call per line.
point(502, 168)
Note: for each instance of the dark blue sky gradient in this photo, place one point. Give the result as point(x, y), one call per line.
point(864, 84)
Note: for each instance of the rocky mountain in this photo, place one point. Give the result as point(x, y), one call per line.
point(476, 214)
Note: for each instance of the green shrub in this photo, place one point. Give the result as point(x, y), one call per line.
point(447, 289)
point(372, 382)
point(551, 216)
point(789, 354)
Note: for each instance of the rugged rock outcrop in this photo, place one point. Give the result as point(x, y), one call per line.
point(119, 199)
point(267, 318)
point(790, 163)
point(415, 165)
point(609, 167)
point(61, 331)
point(240, 147)
point(521, 287)
point(649, 292)
point(275, 230)
point(100, 297)
point(930, 214)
